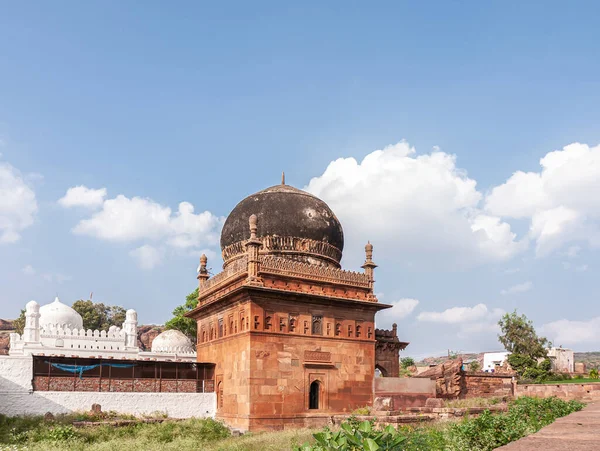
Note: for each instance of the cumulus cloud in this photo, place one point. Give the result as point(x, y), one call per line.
point(417, 206)
point(518, 288)
point(155, 228)
point(82, 196)
point(125, 219)
point(557, 200)
point(401, 308)
point(455, 314)
point(18, 204)
point(146, 256)
point(566, 332)
point(470, 320)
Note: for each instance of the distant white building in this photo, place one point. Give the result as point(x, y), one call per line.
point(57, 366)
point(562, 360)
point(56, 329)
point(491, 360)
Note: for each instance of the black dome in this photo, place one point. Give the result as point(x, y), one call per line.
point(284, 211)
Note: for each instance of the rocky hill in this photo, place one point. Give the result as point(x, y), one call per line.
point(591, 359)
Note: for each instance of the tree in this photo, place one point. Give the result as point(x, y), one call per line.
point(97, 316)
point(179, 322)
point(405, 362)
point(474, 366)
point(527, 349)
point(19, 323)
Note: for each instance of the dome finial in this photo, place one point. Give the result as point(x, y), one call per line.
point(253, 226)
point(282, 177)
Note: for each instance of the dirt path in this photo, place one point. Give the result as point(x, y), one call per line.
point(575, 432)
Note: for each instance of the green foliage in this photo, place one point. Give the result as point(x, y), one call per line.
point(97, 316)
point(594, 373)
point(525, 416)
point(486, 432)
point(474, 366)
point(19, 323)
point(36, 433)
point(179, 322)
point(405, 362)
point(354, 436)
point(519, 337)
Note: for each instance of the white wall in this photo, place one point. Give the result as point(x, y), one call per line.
point(16, 374)
point(18, 398)
point(490, 359)
point(175, 405)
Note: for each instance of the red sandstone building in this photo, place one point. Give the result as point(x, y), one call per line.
point(291, 333)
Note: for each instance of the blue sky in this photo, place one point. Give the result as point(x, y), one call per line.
point(161, 104)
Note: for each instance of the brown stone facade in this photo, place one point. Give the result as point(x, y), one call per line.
point(270, 347)
point(387, 351)
point(291, 333)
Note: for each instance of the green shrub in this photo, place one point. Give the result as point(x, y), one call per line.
point(406, 362)
point(355, 436)
point(594, 373)
point(483, 433)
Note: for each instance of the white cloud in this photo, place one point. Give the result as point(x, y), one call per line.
point(417, 206)
point(82, 196)
point(512, 270)
point(566, 332)
point(124, 219)
point(518, 288)
point(146, 256)
point(401, 309)
point(456, 315)
point(559, 201)
point(18, 205)
point(56, 278)
point(478, 319)
point(28, 270)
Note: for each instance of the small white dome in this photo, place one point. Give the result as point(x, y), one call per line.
point(172, 341)
point(61, 314)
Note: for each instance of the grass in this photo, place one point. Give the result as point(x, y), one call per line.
point(472, 402)
point(525, 415)
point(585, 380)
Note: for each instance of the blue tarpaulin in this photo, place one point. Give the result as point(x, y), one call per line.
point(79, 369)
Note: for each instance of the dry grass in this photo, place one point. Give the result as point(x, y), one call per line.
point(472, 402)
point(264, 441)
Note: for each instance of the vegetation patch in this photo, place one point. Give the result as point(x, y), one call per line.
point(485, 432)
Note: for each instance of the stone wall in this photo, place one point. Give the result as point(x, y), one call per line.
point(486, 385)
point(18, 398)
point(175, 405)
point(45, 383)
point(400, 393)
point(583, 392)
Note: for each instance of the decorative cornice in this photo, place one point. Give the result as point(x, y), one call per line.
point(283, 245)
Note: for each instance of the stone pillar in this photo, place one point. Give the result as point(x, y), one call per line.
point(369, 267)
point(252, 247)
point(31, 331)
point(130, 329)
point(202, 272)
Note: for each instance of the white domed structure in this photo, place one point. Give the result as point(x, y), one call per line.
point(172, 341)
point(57, 313)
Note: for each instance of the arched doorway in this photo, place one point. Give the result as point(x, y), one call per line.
point(382, 371)
point(314, 395)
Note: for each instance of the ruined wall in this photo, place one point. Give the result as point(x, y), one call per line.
point(401, 393)
point(583, 392)
point(487, 385)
